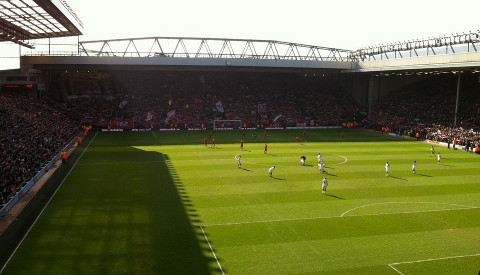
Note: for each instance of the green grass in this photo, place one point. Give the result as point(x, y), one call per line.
point(145, 203)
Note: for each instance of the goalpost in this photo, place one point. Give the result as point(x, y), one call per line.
point(227, 124)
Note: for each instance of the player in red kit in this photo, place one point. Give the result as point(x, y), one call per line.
point(205, 141)
point(264, 134)
point(305, 135)
point(298, 140)
point(210, 136)
point(213, 142)
point(265, 149)
point(243, 134)
point(342, 135)
point(241, 144)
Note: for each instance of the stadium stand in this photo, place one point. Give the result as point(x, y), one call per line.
point(34, 130)
point(31, 133)
point(254, 98)
point(428, 108)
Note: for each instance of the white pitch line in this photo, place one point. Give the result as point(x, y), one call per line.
point(405, 202)
point(154, 134)
point(339, 156)
point(395, 269)
point(41, 212)
point(236, 158)
point(257, 163)
point(437, 259)
point(211, 249)
point(332, 217)
point(269, 221)
point(430, 260)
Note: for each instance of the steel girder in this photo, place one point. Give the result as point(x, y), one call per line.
point(456, 43)
point(210, 48)
point(23, 20)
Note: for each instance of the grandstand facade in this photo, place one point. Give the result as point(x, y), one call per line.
point(359, 72)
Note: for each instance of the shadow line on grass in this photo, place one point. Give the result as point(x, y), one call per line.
point(337, 197)
point(398, 178)
point(185, 231)
point(423, 175)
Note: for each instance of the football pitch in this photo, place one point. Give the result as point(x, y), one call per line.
point(163, 203)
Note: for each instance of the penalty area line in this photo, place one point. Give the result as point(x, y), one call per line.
point(339, 217)
point(430, 260)
point(408, 202)
point(398, 271)
point(211, 249)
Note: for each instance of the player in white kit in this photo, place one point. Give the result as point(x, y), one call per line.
point(302, 160)
point(270, 171)
point(324, 186)
point(319, 157)
point(321, 167)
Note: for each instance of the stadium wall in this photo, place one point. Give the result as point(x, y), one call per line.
point(32, 61)
point(382, 86)
point(356, 85)
point(461, 60)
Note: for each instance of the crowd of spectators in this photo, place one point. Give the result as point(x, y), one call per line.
point(31, 133)
point(254, 98)
point(427, 111)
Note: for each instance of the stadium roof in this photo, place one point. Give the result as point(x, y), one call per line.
point(22, 20)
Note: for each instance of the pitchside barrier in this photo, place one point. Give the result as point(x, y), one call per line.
point(438, 143)
point(36, 178)
point(223, 129)
point(313, 127)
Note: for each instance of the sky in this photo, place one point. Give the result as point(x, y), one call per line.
point(339, 23)
point(344, 24)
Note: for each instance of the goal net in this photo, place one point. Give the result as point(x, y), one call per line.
point(227, 124)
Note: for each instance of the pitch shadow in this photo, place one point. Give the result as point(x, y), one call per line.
point(337, 197)
point(398, 178)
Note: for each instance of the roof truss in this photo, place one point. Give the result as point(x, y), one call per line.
point(23, 20)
